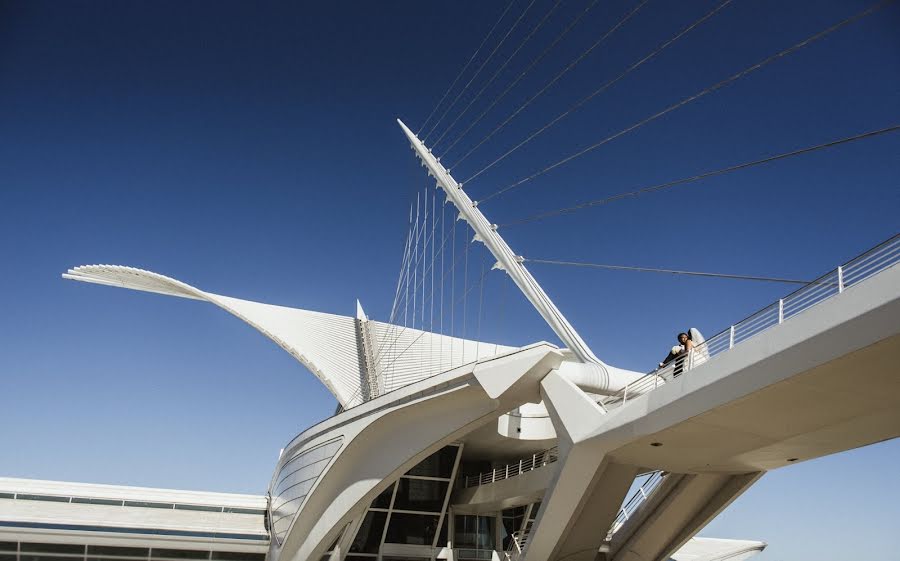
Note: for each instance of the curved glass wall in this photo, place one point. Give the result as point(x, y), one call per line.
point(295, 479)
point(411, 512)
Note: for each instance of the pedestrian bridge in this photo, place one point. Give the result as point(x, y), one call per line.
point(813, 374)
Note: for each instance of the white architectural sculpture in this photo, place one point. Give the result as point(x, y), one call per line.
point(446, 448)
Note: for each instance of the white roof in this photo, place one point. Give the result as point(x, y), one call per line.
point(716, 549)
point(64, 512)
point(327, 344)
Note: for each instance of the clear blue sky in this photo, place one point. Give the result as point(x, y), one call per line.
point(251, 150)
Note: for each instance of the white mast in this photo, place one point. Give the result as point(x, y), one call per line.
point(507, 260)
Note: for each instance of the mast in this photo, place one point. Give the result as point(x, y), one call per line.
point(507, 260)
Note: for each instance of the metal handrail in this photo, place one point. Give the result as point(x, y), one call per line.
point(636, 499)
point(518, 541)
point(870, 263)
point(537, 460)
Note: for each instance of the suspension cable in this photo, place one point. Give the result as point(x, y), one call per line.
point(461, 72)
point(606, 85)
point(528, 69)
point(420, 283)
point(670, 271)
point(477, 72)
point(503, 66)
point(701, 176)
point(555, 79)
point(698, 95)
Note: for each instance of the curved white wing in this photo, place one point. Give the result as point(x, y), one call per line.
point(332, 347)
point(326, 344)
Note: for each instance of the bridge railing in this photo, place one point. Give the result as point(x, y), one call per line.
point(637, 499)
point(513, 469)
point(834, 282)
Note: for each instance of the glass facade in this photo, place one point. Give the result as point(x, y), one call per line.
point(296, 479)
point(476, 532)
point(513, 520)
point(423, 495)
point(412, 529)
point(439, 464)
point(410, 512)
point(36, 551)
point(368, 537)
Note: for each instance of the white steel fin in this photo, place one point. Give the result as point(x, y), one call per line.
point(504, 254)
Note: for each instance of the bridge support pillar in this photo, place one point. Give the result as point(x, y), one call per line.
point(680, 507)
point(588, 488)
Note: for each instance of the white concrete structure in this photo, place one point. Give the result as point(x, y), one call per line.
point(58, 521)
point(447, 448)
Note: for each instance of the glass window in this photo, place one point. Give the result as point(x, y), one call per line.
point(149, 504)
point(50, 498)
point(8, 546)
point(118, 551)
point(420, 494)
point(512, 522)
point(368, 537)
point(414, 529)
point(238, 556)
point(41, 557)
point(7, 495)
point(179, 553)
point(87, 501)
point(202, 508)
point(384, 499)
point(235, 510)
point(442, 535)
point(104, 558)
point(8, 557)
point(52, 548)
point(439, 464)
point(474, 531)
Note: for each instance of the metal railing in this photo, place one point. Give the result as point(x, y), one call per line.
point(517, 544)
point(877, 259)
point(637, 498)
point(535, 461)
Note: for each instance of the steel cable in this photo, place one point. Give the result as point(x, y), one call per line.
point(670, 271)
point(697, 95)
point(555, 79)
point(525, 72)
point(503, 66)
point(700, 176)
point(606, 85)
point(461, 72)
point(480, 68)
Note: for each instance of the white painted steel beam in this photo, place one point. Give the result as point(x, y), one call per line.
point(506, 259)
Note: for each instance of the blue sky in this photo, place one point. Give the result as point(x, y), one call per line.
point(251, 150)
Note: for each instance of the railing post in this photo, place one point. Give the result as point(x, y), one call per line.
point(781, 310)
point(840, 279)
point(731, 337)
point(507, 471)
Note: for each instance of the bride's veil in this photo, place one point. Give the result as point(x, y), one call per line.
point(701, 353)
